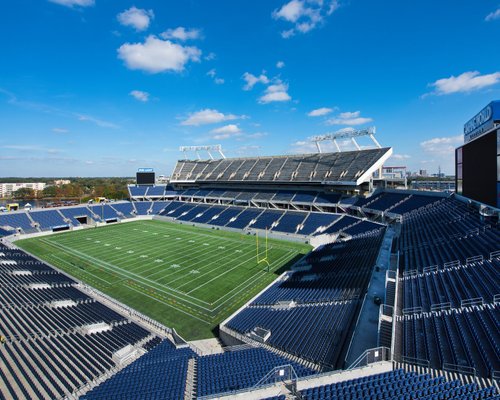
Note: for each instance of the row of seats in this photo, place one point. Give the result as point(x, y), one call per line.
point(162, 373)
point(275, 196)
point(286, 221)
point(444, 232)
point(334, 272)
point(49, 219)
point(456, 339)
point(478, 280)
point(315, 332)
point(345, 166)
point(46, 353)
point(398, 385)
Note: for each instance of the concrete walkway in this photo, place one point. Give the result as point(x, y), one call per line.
point(365, 334)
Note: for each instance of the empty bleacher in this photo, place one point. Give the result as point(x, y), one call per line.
point(17, 220)
point(47, 351)
point(445, 232)
point(346, 166)
point(398, 385)
point(48, 219)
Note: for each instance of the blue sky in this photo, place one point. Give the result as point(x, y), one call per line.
point(103, 87)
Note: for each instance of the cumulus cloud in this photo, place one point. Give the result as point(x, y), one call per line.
point(280, 64)
point(305, 15)
point(156, 55)
point(493, 15)
point(463, 83)
point(208, 116)
point(74, 3)
point(213, 74)
point(140, 95)
point(137, 18)
point(442, 146)
point(226, 132)
point(181, 33)
point(276, 92)
point(319, 112)
point(349, 118)
point(251, 80)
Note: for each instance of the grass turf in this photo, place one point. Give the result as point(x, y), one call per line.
point(186, 277)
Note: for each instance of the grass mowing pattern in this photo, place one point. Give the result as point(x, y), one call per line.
point(186, 277)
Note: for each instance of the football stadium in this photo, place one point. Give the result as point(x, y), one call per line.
point(277, 277)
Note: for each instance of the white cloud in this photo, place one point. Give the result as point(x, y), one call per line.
point(400, 156)
point(493, 15)
point(209, 116)
point(73, 3)
point(305, 15)
point(156, 55)
point(226, 132)
point(140, 95)
point(349, 118)
point(60, 130)
point(275, 92)
point(288, 33)
point(466, 82)
point(291, 11)
point(251, 80)
point(99, 122)
point(230, 128)
point(210, 56)
point(213, 74)
point(280, 64)
point(318, 112)
point(181, 33)
point(442, 146)
point(137, 18)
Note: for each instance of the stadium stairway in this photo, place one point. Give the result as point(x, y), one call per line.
point(191, 383)
point(34, 224)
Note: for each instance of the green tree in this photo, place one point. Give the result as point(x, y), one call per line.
point(24, 194)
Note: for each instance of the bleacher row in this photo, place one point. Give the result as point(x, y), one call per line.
point(310, 313)
point(162, 373)
point(446, 232)
point(45, 322)
point(398, 385)
point(450, 290)
point(263, 195)
point(346, 166)
point(395, 203)
point(286, 221)
point(46, 220)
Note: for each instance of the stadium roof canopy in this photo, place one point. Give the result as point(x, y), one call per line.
point(349, 168)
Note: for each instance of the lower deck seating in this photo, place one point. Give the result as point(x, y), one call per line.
point(160, 374)
point(397, 385)
point(458, 339)
point(315, 332)
point(235, 370)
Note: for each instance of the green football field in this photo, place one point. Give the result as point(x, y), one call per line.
point(186, 277)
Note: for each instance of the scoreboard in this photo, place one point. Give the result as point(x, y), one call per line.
point(145, 176)
point(477, 162)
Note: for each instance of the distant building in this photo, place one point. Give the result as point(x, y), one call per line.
point(60, 182)
point(422, 172)
point(6, 189)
